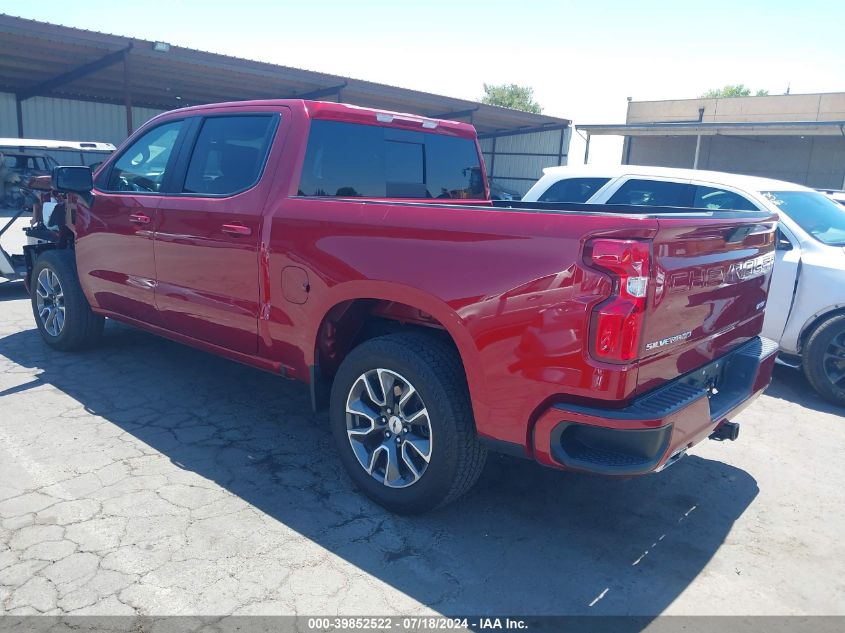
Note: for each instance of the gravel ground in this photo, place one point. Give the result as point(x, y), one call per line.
point(145, 477)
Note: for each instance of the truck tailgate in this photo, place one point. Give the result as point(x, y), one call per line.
point(710, 278)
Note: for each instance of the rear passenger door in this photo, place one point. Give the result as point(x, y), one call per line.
point(207, 242)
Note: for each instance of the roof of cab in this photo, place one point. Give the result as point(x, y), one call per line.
point(740, 181)
point(343, 112)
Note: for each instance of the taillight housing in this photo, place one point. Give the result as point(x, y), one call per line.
point(617, 323)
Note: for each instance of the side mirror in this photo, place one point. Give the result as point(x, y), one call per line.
point(782, 243)
point(73, 179)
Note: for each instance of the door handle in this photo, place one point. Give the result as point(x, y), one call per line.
point(237, 229)
point(139, 218)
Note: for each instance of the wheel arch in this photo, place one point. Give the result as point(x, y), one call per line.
point(815, 321)
point(360, 311)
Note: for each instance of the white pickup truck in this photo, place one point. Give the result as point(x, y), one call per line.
point(806, 306)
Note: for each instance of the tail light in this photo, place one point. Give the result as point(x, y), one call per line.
point(617, 323)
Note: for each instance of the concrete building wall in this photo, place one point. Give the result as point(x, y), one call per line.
point(812, 107)
point(815, 161)
point(812, 161)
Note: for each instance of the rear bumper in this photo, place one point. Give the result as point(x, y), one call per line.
point(658, 426)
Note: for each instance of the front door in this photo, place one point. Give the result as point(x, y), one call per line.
point(114, 245)
point(206, 247)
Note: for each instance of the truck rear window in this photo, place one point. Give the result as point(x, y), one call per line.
point(353, 160)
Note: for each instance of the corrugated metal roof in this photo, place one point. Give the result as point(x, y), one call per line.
point(33, 55)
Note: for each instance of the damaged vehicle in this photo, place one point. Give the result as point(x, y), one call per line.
point(26, 197)
point(17, 168)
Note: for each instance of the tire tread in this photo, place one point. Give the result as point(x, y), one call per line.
point(442, 359)
point(811, 361)
point(82, 327)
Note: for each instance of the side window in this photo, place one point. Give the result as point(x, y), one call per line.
point(229, 154)
point(142, 166)
point(654, 193)
point(714, 198)
point(573, 190)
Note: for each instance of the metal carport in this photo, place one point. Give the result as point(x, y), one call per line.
point(49, 72)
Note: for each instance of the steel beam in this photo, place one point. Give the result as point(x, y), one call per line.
point(77, 73)
point(524, 130)
point(321, 92)
point(127, 94)
point(19, 113)
point(459, 114)
point(697, 151)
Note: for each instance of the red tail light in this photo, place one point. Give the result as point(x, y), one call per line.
point(617, 323)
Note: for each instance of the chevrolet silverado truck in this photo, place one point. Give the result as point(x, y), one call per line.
point(357, 251)
point(805, 313)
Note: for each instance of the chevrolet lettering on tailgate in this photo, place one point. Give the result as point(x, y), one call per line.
point(721, 275)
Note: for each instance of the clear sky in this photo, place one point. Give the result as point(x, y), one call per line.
point(583, 59)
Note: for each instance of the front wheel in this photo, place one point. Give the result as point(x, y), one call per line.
point(401, 418)
point(61, 311)
point(824, 360)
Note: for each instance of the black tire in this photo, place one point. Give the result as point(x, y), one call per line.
point(827, 337)
point(82, 328)
point(434, 369)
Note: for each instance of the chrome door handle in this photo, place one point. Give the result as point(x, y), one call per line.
point(236, 229)
point(139, 218)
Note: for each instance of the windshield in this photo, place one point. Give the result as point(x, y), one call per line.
point(814, 212)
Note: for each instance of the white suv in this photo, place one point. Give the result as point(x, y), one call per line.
point(806, 308)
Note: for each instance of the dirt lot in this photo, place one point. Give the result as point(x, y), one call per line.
point(146, 477)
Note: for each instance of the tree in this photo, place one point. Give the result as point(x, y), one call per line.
point(511, 96)
point(739, 90)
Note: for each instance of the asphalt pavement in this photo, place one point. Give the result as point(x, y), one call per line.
point(145, 477)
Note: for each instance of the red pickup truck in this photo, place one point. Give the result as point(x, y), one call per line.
point(357, 251)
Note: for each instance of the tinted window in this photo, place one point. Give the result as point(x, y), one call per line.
point(404, 168)
point(348, 159)
point(814, 212)
point(142, 166)
point(657, 193)
point(714, 198)
point(573, 190)
point(229, 154)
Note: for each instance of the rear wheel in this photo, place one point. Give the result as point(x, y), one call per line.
point(61, 311)
point(824, 360)
point(402, 421)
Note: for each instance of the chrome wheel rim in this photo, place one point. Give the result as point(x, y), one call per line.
point(834, 361)
point(388, 427)
point(50, 302)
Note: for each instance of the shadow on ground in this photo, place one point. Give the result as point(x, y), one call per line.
point(12, 291)
point(790, 384)
point(526, 540)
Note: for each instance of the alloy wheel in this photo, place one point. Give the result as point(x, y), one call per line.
point(833, 361)
point(388, 427)
point(50, 302)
